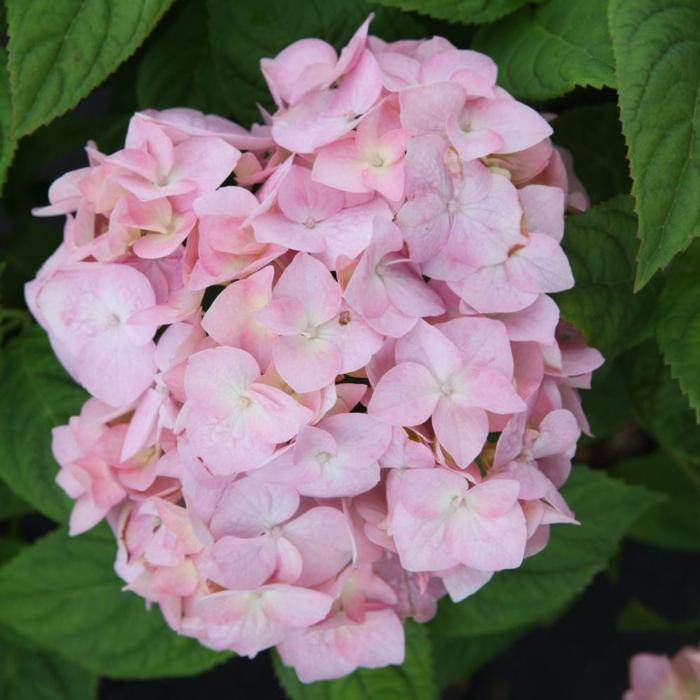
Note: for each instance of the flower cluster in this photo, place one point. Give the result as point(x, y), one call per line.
point(331, 393)
point(656, 677)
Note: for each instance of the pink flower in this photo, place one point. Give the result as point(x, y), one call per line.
point(656, 677)
point(441, 521)
point(317, 339)
point(361, 398)
point(250, 621)
point(154, 167)
point(227, 248)
point(258, 538)
point(337, 457)
point(455, 384)
point(369, 160)
point(234, 422)
point(364, 631)
point(500, 125)
point(86, 309)
point(316, 219)
point(386, 287)
point(475, 213)
point(231, 319)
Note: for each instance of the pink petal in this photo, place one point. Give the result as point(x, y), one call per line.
point(341, 165)
point(463, 581)
point(231, 319)
point(242, 564)
point(461, 430)
point(338, 646)
point(309, 281)
point(307, 364)
point(544, 209)
point(311, 123)
point(302, 199)
point(517, 124)
point(249, 507)
point(406, 395)
point(426, 107)
point(205, 160)
point(427, 345)
point(483, 342)
point(215, 377)
point(490, 290)
point(322, 537)
point(558, 433)
point(488, 543)
point(541, 266)
point(360, 88)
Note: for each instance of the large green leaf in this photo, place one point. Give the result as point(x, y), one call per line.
point(678, 328)
point(245, 31)
point(411, 681)
point(9, 547)
point(11, 505)
point(658, 403)
point(8, 145)
point(61, 49)
point(593, 134)
point(28, 674)
point(45, 396)
point(547, 50)
point(467, 11)
point(176, 69)
point(545, 583)
point(657, 52)
point(455, 659)
point(673, 523)
point(62, 594)
point(601, 245)
point(607, 404)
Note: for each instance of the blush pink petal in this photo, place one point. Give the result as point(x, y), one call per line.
point(249, 507)
point(340, 645)
point(322, 538)
point(231, 319)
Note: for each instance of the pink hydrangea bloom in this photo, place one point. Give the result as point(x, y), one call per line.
point(658, 677)
point(328, 385)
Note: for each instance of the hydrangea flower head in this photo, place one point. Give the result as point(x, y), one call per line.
point(328, 385)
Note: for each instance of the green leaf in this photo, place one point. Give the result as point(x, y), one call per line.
point(673, 523)
point(176, 69)
point(658, 403)
point(600, 245)
point(636, 618)
point(467, 11)
point(607, 404)
point(243, 32)
point(593, 134)
point(657, 52)
point(546, 582)
point(62, 594)
point(456, 659)
point(28, 674)
point(61, 49)
point(8, 145)
point(548, 50)
point(11, 505)
point(678, 327)
point(411, 681)
point(46, 397)
point(9, 547)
